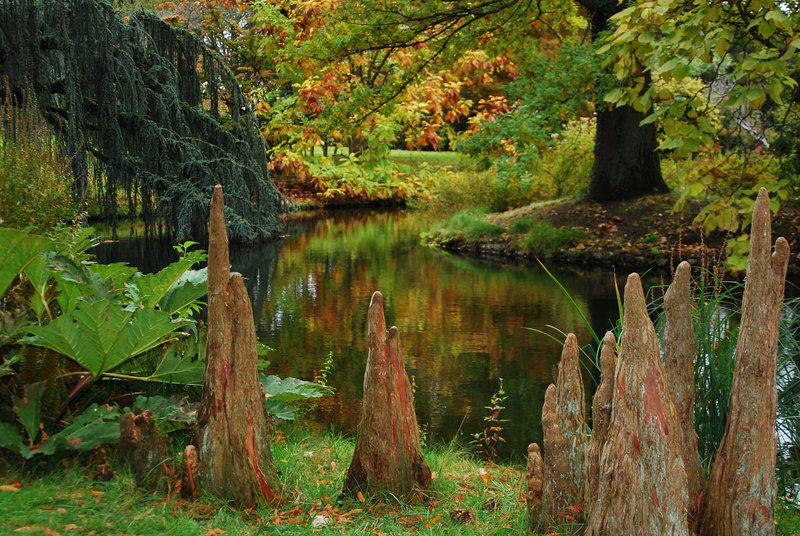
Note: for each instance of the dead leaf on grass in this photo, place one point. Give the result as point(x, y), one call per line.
point(6, 487)
point(37, 528)
point(214, 532)
point(72, 526)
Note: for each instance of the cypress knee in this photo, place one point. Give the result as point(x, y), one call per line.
point(601, 417)
point(679, 371)
point(534, 484)
point(642, 486)
point(234, 458)
point(388, 455)
point(740, 498)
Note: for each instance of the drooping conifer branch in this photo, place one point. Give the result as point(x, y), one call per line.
point(147, 108)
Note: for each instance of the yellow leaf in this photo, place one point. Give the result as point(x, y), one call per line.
point(360, 497)
point(8, 488)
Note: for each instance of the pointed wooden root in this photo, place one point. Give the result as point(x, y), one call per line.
point(388, 455)
point(534, 485)
point(740, 499)
point(188, 479)
point(642, 489)
point(234, 458)
point(679, 373)
point(146, 450)
point(601, 418)
point(564, 426)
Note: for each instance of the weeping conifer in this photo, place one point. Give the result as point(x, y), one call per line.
point(145, 107)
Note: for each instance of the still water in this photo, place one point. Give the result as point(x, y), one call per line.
point(464, 324)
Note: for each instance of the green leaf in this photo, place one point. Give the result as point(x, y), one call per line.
point(103, 335)
point(10, 438)
point(117, 273)
point(96, 425)
point(19, 248)
point(289, 389)
point(29, 408)
point(189, 288)
point(152, 288)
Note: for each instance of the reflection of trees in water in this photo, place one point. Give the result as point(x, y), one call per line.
point(462, 322)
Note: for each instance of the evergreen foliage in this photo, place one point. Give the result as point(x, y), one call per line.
point(147, 108)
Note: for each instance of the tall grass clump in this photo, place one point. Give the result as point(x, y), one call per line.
point(35, 175)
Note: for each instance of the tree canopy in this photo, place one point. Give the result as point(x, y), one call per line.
point(146, 108)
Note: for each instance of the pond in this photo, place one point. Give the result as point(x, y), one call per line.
point(464, 324)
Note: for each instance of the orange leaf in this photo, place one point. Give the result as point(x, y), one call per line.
point(360, 497)
point(214, 532)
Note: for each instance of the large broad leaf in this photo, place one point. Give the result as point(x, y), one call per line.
point(29, 408)
point(289, 389)
point(10, 438)
point(281, 410)
point(180, 362)
point(117, 274)
point(152, 288)
point(191, 286)
point(19, 248)
point(174, 413)
point(96, 425)
point(101, 336)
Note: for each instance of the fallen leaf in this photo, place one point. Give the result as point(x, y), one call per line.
point(360, 497)
point(72, 526)
point(61, 510)
point(214, 532)
point(6, 487)
point(36, 528)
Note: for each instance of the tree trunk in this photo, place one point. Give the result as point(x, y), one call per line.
point(234, 458)
point(388, 455)
point(740, 499)
point(626, 164)
point(145, 448)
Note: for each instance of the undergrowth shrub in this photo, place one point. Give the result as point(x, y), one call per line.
point(35, 175)
point(543, 238)
point(470, 225)
point(566, 167)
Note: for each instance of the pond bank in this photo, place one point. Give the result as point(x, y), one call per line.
point(642, 234)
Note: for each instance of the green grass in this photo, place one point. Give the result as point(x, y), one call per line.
point(469, 225)
point(431, 158)
point(312, 465)
point(543, 238)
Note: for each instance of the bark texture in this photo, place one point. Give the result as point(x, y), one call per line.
point(601, 418)
point(740, 499)
point(679, 370)
point(642, 486)
point(559, 492)
point(145, 449)
point(235, 461)
point(388, 455)
point(534, 484)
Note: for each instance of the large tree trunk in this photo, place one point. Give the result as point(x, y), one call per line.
point(235, 461)
point(626, 164)
point(740, 499)
point(388, 455)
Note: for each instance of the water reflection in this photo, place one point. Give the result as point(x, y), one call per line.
point(462, 322)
